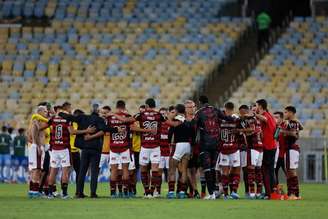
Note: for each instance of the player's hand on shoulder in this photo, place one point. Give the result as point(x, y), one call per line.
point(87, 137)
point(91, 129)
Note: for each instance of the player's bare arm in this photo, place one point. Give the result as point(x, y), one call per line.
point(138, 129)
point(261, 118)
point(89, 130)
point(89, 137)
point(129, 119)
point(35, 132)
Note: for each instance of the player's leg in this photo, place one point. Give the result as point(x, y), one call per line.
point(206, 161)
point(125, 179)
point(234, 174)
point(94, 169)
point(113, 179)
point(259, 176)
point(202, 182)
point(161, 168)
point(54, 165)
point(144, 159)
point(34, 159)
point(252, 157)
point(52, 180)
point(155, 175)
point(225, 170)
point(132, 176)
point(292, 178)
point(66, 166)
point(44, 174)
point(173, 164)
point(125, 161)
point(7, 168)
point(218, 183)
point(184, 178)
point(243, 165)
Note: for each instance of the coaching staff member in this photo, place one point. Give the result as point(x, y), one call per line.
point(91, 146)
point(268, 125)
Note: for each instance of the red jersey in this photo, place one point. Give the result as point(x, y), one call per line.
point(291, 141)
point(150, 119)
point(59, 135)
point(120, 141)
point(228, 137)
point(253, 139)
point(268, 129)
point(164, 140)
point(281, 141)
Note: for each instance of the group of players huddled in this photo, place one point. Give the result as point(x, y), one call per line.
point(179, 144)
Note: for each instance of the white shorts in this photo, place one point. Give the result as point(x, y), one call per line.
point(294, 157)
point(152, 155)
point(118, 158)
point(164, 163)
point(60, 158)
point(276, 157)
point(104, 159)
point(181, 149)
point(35, 159)
point(132, 165)
point(243, 158)
point(256, 158)
point(232, 160)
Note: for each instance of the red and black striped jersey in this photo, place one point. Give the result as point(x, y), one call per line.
point(150, 119)
point(164, 140)
point(59, 134)
point(228, 136)
point(120, 141)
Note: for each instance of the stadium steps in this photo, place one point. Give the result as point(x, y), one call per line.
point(230, 75)
point(218, 86)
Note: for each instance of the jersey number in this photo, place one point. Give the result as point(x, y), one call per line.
point(59, 132)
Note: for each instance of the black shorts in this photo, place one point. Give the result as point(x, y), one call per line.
point(46, 162)
point(136, 159)
point(208, 159)
point(194, 162)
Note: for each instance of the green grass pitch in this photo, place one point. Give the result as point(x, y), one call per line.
point(15, 204)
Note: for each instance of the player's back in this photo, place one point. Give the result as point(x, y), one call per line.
point(60, 135)
point(228, 136)
point(208, 125)
point(119, 141)
point(150, 119)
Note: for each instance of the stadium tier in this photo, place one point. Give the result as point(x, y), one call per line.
point(100, 51)
point(295, 72)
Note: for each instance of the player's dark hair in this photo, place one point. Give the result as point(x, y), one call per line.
point(281, 114)
point(163, 108)
point(243, 107)
point(78, 112)
point(263, 103)
point(150, 102)
point(66, 104)
point(180, 108)
point(21, 131)
point(57, 107)
point(229, 105)
point(120, 104)
point(4, 128)
point(107, 108)
point(142, 106)
point(291, 109)
point(171, 108)
point(43, 104)
point(10, 130)
point(203, 99)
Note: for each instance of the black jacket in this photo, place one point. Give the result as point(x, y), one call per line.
point(207, 121)
point(84, 121)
